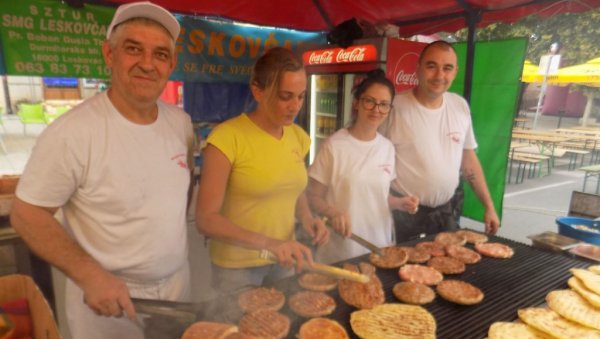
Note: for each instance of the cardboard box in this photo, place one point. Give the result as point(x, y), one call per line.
point(17, 286)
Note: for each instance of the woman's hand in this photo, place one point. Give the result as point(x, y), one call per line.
point(315, 227)
point(290, 252)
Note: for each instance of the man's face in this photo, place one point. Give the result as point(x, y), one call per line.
point(141, 61)
point(436, 71)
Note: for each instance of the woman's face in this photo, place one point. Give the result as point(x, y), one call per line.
point(287, 100)
point(373, 106)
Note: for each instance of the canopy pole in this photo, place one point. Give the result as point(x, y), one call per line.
point(472, 17)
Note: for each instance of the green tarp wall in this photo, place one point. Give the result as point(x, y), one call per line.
point(494, 104)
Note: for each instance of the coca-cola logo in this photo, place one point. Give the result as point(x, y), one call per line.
point(405, 71)
point(409, 79)
point(316, 58)
point(352, 55)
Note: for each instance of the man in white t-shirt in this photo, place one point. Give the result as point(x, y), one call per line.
point(432, 134)
point(119, 167)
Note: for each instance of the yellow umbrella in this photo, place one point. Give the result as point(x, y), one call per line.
point(531, 73)
point(586, 74)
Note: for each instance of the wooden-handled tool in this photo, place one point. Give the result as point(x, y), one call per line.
point(331, 271)
point(361, 241)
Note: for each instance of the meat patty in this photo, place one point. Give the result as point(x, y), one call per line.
point(420, 274)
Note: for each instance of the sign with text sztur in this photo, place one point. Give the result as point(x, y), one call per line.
point(48, 38)
point(210, 51)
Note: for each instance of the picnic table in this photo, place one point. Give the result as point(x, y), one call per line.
point(591, 171)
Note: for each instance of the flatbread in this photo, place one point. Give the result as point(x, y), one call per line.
point(413, 293)
point(358, 294)
point(393, 321)
point(322, 328)
point(459, 292)
point(594, 268)
point(311, 304)
point(261, 298)
point(265, 324)
point(494, 250)
point(473, 237)
point(317, 282)
point(468, 256)
point(590, 279)
point(416, 255)
point(583, 291)
point(550, 322)
point(450, 238)
point(435, 249)
point(420, 274)
point(446, 265)
point(512, 330)
point(393, 257)
point(208, 330)
point(572, 306)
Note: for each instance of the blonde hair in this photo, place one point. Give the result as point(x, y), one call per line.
point(267, 71)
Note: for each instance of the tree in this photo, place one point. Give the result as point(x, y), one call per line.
point(577, 33)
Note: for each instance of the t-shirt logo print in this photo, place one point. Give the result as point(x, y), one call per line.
point(455, 137)
point(180, 160)
point(387, 168)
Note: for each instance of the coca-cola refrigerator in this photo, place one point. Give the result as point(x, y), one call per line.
point(334, 71)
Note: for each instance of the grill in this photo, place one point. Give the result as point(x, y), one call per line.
point(508, 284)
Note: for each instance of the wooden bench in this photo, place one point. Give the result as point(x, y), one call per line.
point(591, 171)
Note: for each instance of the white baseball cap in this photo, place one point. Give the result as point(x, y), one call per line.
point(145, 9)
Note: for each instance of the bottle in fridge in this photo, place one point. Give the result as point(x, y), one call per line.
point(333, 73)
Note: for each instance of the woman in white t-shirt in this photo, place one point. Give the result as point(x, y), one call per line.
point(351, 175)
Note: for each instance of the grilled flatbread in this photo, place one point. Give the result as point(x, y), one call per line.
point(594, 268)
point(473, 237)
point(358, 294)
point(261, 298)
point(393, 321)
point(322, 328)
point(208, 330)
point(317, 282)
point(450, 238)
point(508, 330)
point(393, 257)
point(459, 292)
point(415, 255)
point(265, 323)
point(413, 293)
point(550, 322)
point(583, 291)
point(572, 306)
point(311, 304)
point(590, 279)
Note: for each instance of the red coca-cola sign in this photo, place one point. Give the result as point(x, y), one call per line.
point(359, 53)
point(402, 63)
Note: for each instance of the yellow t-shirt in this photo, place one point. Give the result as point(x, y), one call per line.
point(267, 176)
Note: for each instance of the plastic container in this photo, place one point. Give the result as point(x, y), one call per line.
point(553, 241)
point(583, 229)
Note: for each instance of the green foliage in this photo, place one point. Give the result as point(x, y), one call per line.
point(578, 33)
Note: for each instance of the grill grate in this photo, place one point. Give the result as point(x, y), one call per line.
point(508, 284)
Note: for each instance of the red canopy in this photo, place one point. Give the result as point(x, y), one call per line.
point(413, 17)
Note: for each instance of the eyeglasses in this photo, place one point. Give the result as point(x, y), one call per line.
point(370, 103)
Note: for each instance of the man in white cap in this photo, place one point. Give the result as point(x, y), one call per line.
point(118, 166)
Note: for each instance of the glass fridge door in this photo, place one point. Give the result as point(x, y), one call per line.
point(323, 109)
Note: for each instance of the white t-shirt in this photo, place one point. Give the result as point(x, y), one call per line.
point(123, 186)
point(358, 176)
point(429, 146)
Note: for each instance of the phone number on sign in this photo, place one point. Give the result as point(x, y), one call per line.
point(39, 68)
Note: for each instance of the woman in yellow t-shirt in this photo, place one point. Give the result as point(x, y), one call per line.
point(253, 180)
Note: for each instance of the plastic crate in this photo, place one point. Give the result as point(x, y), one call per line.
point(583, 229)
